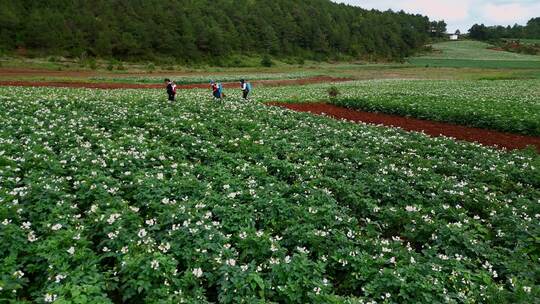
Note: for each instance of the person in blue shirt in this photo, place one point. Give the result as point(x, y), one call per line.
point(217, 90)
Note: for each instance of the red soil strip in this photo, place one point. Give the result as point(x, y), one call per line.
point(41, 72)
point(88, 85)
point(91, 85)
point(481, 136)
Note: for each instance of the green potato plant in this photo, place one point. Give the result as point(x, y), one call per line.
point(120, 197)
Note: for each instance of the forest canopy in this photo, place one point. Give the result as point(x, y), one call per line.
point(530, 31)
point(198, 30)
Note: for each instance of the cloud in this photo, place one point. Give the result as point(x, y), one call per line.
point(510, 12)
point(455, 10)
point(461, 14)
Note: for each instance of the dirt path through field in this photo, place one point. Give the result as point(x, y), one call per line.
point(481, 136)
point(91, 85)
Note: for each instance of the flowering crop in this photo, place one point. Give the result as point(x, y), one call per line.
point(118, 196)
point(193, 79)
point(506, 105)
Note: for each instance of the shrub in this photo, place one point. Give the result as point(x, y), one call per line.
point(92, 63)
point(267, 61)
point(333, 92)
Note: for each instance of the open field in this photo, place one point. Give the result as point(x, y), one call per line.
point(180, 86)
point(359, 71)
point(505, 105)
point(492, 138)
point(474, 54)
point(206, 78)
point(486, 100)
point(475, 63)
point(524, 41)
point(475, 50)
point(111, 196)
point(116, 196)
point(530, 41)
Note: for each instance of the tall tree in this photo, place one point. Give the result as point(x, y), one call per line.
point(205, 29)
point(482, 32)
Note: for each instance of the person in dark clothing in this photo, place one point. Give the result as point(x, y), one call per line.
point(246, 88)
point(170, 89)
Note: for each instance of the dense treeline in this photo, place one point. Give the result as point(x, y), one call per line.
point(199, 30)
point(529, 31)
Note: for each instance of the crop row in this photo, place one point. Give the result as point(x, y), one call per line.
point(118, 196)
point(505, 105)
point(193, 79)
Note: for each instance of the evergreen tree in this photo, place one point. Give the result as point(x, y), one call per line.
point(482, 32)
point(205, 29)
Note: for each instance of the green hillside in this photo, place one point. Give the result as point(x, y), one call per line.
point(474, 54)
point(474, 50)
point(209, 30)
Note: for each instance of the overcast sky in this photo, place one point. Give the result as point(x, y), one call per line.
point(461, 14)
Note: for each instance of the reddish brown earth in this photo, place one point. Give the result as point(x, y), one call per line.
point(91, 85)
point(481, 136)
point(5, 72)
point(69, 84)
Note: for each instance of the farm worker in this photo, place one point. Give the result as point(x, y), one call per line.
point(174, 87)
point(246, 88)
point(171, 89)
point(217, 89)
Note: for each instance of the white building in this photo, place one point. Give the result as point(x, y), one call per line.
point(454, 37)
